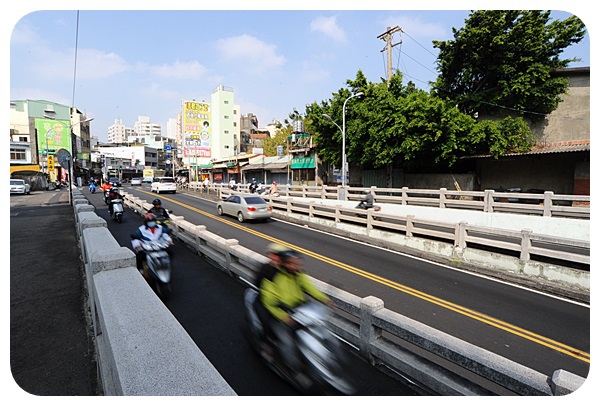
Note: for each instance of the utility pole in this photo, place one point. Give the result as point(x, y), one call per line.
point(387, 37)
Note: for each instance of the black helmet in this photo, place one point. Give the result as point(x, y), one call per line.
point(114, 189)
point(156, 201)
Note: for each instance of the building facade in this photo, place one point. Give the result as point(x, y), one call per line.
point(48, 138)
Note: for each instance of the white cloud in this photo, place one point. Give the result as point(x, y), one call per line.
point(256, 55)
point(329, 27)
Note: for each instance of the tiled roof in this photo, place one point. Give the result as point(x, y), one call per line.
point(551, 148)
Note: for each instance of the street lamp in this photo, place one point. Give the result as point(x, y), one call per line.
point(342, 195)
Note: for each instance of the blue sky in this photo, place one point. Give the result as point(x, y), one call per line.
point(139, 62)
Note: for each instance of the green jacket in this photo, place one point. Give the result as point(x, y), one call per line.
point(279, 289)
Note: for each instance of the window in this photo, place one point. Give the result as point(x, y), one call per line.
point(225, 101)
point(17, 154)
point(226, 117)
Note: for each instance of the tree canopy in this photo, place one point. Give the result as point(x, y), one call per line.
point(502, 62)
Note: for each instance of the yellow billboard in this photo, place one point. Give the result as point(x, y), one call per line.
point(196, 128)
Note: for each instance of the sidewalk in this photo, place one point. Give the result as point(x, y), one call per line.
point(51, 352)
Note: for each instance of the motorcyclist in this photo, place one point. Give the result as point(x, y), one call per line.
point(160, 212)
point(113, 193)
point(106, 186)
point(274, 192)
point(149, 231)
point(253, 185)
point(368, 202)
point(282, 287)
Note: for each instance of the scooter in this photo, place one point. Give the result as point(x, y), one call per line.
point(117, 213)
point(157, 267)
point(93, 187)
point(361, 205)
point(106, 199)
point(324, 368)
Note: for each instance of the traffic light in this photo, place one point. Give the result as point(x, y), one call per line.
point(50, 163)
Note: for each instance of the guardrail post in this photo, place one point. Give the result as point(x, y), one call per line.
point(548, 204)
point(460, 235)
point(525, 244)
point(488, 201)
point(404, 196)
point(409, 225)
point(443, 197)
point(368, 332)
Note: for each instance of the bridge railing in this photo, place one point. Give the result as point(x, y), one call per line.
point(547, 204)
point(379, 333)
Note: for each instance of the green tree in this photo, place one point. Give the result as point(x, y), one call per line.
point(280, 138)
point(502, 62)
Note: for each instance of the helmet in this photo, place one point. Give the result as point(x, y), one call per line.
point(368, 191)
point(282, 251)
point(149, 217)
point(114, 189)
point(156, 201)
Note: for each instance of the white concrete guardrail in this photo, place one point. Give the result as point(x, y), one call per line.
point(142, 349)
point(547, 204)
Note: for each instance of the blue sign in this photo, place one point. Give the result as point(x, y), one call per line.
point(168, 147)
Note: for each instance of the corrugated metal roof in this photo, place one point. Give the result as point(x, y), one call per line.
point(551, 148)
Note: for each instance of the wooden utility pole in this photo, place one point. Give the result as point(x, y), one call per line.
point(387, 37)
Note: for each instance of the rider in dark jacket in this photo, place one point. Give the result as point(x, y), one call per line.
point(368, 201)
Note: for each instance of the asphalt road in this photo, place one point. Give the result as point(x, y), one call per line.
point(541, 331)
point(209, 305)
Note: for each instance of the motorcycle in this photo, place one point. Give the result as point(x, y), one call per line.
point(157, 267)
point(324, 364)
point(117, 213)
point(361, 205)
point(106, 199)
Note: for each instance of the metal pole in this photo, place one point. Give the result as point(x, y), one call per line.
point(343, 192)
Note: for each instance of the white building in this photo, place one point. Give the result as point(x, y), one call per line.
point(118, 133)
point(225, 118)
point(147, 133)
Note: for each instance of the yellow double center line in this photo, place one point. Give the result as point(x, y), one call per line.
point(510, 328)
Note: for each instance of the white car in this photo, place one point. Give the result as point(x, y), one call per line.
point(136, 181)
point(164, 184)
point(19, 186)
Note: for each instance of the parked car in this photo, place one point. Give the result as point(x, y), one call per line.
point(136, 181)
point(115, 181)
point(163, 184)
point(245, 207)
point(19, 186)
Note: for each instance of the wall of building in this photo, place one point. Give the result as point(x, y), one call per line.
point(571, 120)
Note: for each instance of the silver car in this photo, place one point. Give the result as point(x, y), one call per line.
point(245, 207)
point(19, 186)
